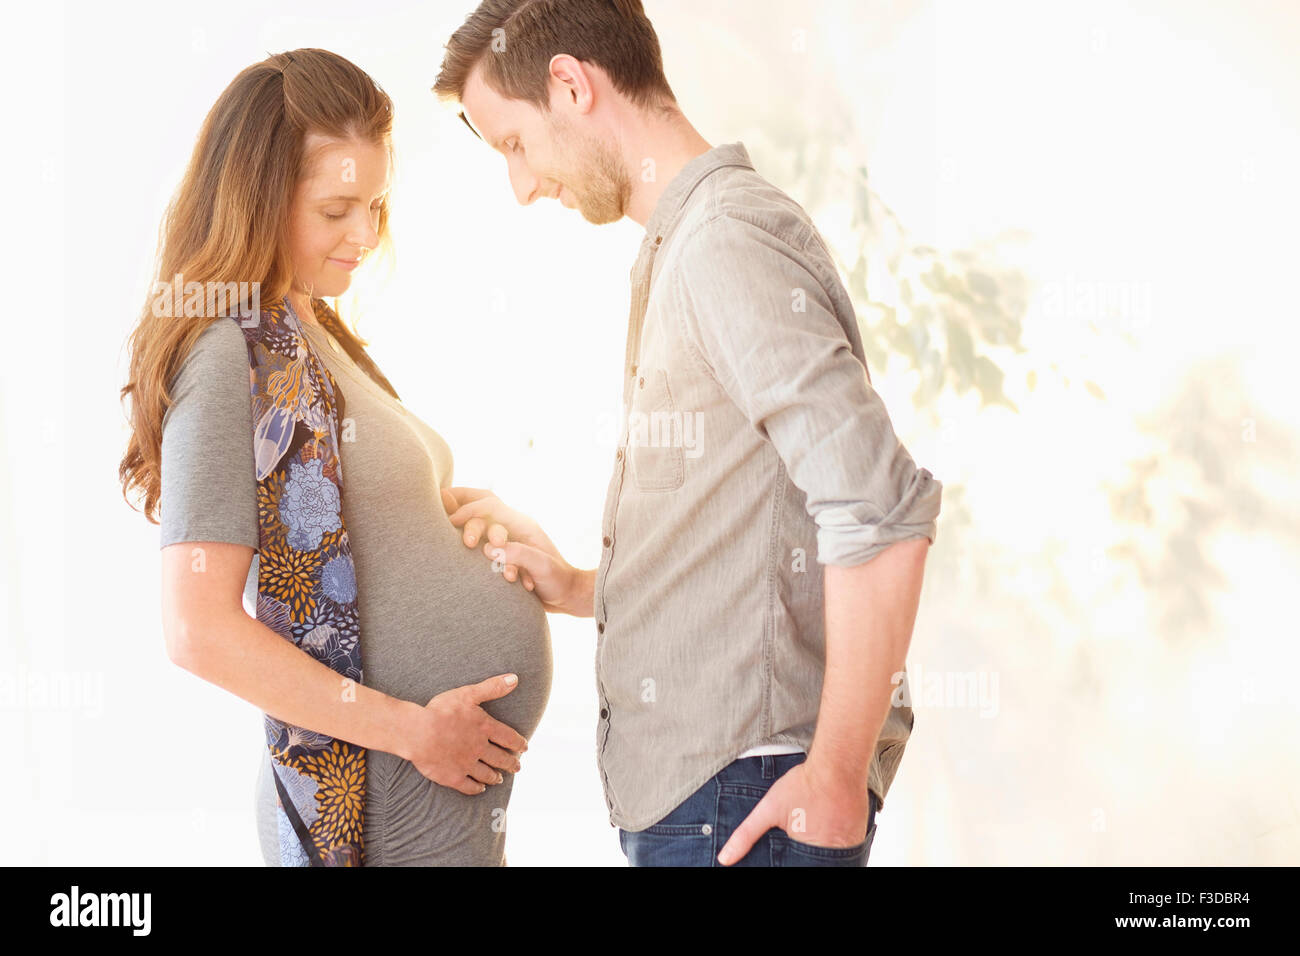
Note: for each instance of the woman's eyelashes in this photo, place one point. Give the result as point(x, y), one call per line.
point(377, 207)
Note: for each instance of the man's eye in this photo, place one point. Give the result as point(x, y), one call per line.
point(334, 216)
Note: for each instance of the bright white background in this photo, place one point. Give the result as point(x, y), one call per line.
point(1151, 142)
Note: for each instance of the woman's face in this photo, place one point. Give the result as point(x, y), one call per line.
point(334, 217)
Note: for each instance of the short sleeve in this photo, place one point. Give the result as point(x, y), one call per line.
point(209, 481)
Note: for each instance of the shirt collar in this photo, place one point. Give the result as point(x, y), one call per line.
point(688, 177)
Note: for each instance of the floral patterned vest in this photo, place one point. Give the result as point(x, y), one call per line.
point(306, 581)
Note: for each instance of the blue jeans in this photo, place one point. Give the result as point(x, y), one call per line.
point(694, 833)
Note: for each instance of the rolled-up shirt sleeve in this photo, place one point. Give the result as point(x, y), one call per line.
point(766, 327)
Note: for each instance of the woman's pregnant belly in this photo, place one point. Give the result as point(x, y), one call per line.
point(436, 616)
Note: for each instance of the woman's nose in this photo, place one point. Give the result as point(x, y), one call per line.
point(366, 236)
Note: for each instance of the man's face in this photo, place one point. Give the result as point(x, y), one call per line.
point(548, 155)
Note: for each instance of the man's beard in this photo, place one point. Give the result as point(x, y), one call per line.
point(602, 188)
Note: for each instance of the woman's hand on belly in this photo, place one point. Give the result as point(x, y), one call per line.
point(456, 743)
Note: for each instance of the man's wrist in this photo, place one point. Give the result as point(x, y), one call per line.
point(837, 774)
point(582, 593)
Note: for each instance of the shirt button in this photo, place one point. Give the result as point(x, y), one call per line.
point(633, 370)
point(604, 714)
point(619, 454)
point(600, 628)
point(641, 383)
point(658, 239)
point(605, 541)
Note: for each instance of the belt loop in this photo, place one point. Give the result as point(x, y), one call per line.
point(769, 766)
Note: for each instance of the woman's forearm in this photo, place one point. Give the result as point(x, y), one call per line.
point(247, 658)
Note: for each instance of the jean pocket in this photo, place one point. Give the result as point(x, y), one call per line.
point(679, 829)
point(806, 854)
point(655, 434)
point(669, 844)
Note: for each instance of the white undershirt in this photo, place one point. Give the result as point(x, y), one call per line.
point(762, 749)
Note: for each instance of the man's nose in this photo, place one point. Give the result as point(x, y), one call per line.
point(525, 186)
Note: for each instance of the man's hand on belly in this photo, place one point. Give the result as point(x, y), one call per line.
point(517, 543)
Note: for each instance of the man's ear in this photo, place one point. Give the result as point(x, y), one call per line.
point(575, 80)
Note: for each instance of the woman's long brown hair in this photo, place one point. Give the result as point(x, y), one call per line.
point(228, 221)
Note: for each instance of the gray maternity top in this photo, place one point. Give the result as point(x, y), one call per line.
point(434, 615)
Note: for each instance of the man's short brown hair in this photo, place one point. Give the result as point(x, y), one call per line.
point(516, 39)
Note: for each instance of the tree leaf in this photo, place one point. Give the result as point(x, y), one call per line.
point(982, 284)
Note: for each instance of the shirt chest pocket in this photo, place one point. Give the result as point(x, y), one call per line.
point(654, 434)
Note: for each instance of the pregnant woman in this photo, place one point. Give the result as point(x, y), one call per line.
point(399, 673)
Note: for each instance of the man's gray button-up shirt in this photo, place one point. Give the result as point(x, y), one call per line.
point(753, 451)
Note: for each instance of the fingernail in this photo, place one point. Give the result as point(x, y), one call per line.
point(500, 778)
point(512, 679)
point(471, 540)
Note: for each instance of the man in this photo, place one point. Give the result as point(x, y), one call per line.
point(745, 692)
